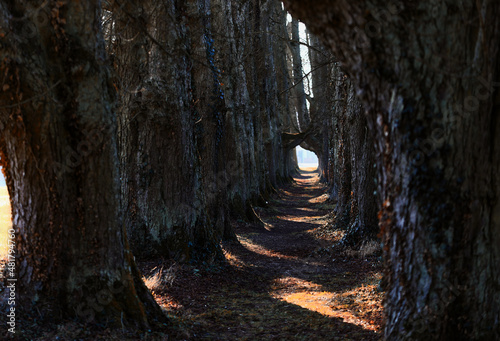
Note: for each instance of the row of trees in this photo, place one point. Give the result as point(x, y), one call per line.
point(210, 105)
point(200, 118)
point(160, 120)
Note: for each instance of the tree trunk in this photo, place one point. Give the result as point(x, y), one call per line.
point(298, 80)
point(209, 105)
point(425, 72)
point(321, 103)
point(230, 53)
point(162, 194)
point(58, 148)
point(255, 111)
point(363, 223)
point(341, 142)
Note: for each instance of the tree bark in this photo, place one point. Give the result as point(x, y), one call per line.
point(58, 149)
point(255, 112)
point(426, 74)
point(162, 192)
point(231, 50)
point(210, 108)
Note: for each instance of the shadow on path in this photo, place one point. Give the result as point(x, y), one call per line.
point(272, 289)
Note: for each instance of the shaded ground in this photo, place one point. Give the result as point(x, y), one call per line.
point(280, 282)
point(273, 288)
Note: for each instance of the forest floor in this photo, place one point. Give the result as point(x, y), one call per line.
point(282, 280)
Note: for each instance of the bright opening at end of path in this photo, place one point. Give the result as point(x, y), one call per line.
point(305, 158)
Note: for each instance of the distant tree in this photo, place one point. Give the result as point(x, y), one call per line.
point(233, 24)
point(59, 151)
point(298, 77)
point(426, 73)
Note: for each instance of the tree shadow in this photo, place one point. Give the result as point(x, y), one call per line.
point(243, 301)
point(265, 290)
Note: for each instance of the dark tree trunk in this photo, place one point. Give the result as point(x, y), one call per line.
point(426, 73)
point(162, 194)
point(209, 105)
point(363, 223)
point(288, 119)
point(341, 142)
point(255, 111)
point(353, 177)
point(58, 148)
point(231, 54)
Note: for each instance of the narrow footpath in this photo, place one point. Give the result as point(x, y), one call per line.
point(279, 283)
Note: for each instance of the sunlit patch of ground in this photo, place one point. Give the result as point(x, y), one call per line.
point(233, 259)
point(306, 209)
point(309, 167)
point(360, 306)
point(327, 235)
point(261, 250)
point(312, 219)
point(5, 220)
point(319, 199)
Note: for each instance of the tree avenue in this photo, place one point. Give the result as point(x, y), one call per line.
point(147, 128)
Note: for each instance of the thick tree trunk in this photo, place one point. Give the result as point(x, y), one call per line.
point(241, 166)
point(285, 108)
point(254, 110)
point(209, 105)
point(426, 73)
point(341, 145)
point(58, 148)
point(363, 224)
point(162, 194)
point(353, 177)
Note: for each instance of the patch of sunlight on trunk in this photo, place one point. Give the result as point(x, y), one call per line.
point(313, 297)
point(5, 220)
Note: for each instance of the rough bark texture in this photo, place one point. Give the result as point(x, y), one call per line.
point(321, 104)
point(426, 72)
point(213, 146)
point(353, 173)
point(230, 54)
point(58, 150)
point(254, 73)
point(209, 106)
point(162, 193)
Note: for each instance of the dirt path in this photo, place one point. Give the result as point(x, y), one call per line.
point(272, 288)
